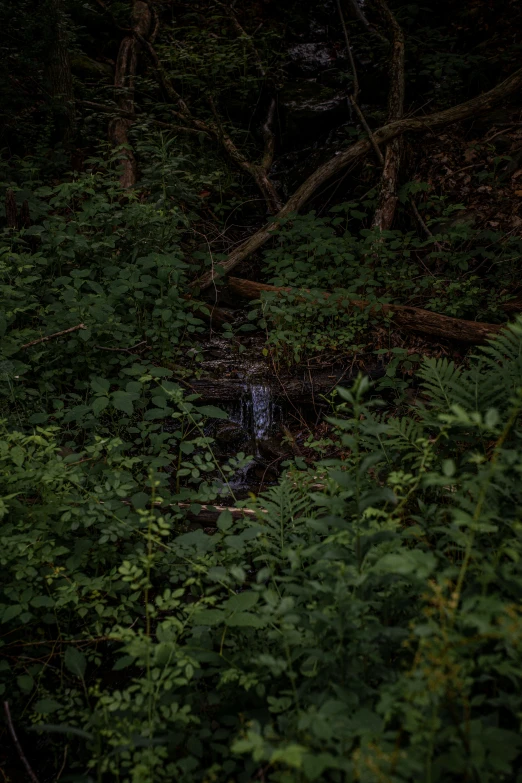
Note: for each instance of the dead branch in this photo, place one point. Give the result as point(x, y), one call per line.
point(411, 319)
point(125, 74)
point(355, 152)
point(354, 97)
point(52, 336)
point(17, 743)
point(385, 212)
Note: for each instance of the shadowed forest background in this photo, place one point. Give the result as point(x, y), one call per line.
point(261, 379)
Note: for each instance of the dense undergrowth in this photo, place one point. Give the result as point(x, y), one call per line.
point(360, 620)
point(153, 653)
point(364, 624)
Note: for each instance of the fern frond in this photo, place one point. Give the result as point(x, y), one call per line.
point(444, 383)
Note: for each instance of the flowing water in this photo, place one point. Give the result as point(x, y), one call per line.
point(257, 413)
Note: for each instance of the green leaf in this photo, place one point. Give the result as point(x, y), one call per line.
point(52, 728)
point(209, 617)
point(242, 601)
point(18, 455)
point(157, 413)
point(38, 418)
point(140, 500)
point(42, 600)
point(123, 662)
point(46, 706)
point(245, 620)
point(212, 412)
point(292, 755)
point(25, 682)
point(122, 401)
point(99, 404)
point(412, 562)
point(225, 520)
point(100, 385)
point(11, 612)
point(75, 661)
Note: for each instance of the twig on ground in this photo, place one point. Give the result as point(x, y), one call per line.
point(17, 743)
point(121, 350)
point(52, 336)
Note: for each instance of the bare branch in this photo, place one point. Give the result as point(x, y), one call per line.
point(355, 152)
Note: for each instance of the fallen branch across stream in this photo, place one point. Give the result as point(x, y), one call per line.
point(411, 319)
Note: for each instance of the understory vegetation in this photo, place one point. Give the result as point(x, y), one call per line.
point(356, 614)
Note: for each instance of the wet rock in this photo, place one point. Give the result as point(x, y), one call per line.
point(309, 59)
point(229, 434)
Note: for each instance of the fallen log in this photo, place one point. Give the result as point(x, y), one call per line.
point(411, 319)
point(305, 388)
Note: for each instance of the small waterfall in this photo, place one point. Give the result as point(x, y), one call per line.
point(257, 412)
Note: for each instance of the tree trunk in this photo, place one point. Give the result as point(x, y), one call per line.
point(385, 212)
point(58, 76)
point(125, 74)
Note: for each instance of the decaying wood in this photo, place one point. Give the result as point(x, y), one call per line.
point(355, 152)
point(301, 387)
point(385, 212)
point(125, 75)
point(411, 319)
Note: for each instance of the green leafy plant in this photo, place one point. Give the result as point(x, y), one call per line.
point(367, 627)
